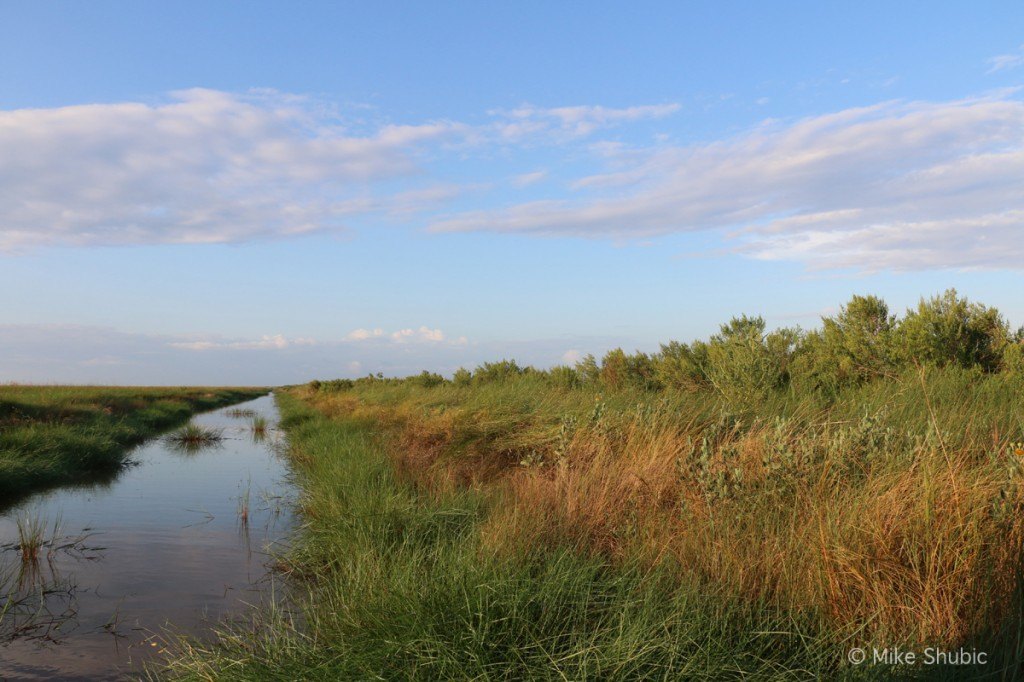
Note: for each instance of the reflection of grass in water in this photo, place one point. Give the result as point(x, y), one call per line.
point(259, 426)
point(32, 535)
point(31, 530)
point(240, 413)
point(35, 600)
point(243, 503)
point(192, 437)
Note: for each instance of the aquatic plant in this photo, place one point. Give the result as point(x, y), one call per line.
point(195, 436)
point(33, 536)
point(241, 413)
point(259, 425)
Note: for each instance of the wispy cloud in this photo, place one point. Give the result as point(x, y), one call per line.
point(576, 121)
point(87, 354)
point(894, 186)
point(527, 179)
point(423, 334)
point(266, 342)
point(203, 167)
point(1010, 60)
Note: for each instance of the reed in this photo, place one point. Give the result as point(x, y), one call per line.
point(258, 424)
point(241, 413)
point(195, 436)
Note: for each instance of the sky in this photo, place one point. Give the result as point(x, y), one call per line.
point(268, 193)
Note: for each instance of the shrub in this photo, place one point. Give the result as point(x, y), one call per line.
point(619, 371)
point(854, 346)
point(588, 370)
point(563, 377)
point(744, 363)
point(682, 366)
point(948, 329)
point(497, 371)
point(427, 379)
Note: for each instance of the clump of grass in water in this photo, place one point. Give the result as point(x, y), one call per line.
point(259, 426)
point(32, 536)
point(194, 436)
point(241, 413)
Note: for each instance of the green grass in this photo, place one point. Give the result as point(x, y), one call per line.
point(51, 435)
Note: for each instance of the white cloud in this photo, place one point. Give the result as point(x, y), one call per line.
point(204, 167)
point(1010, 60)
point(276, 342)
point(576, 121)
point(363, 334)
point(897, 185)
point(571, 356)
point(422, 335)
point(527, 179)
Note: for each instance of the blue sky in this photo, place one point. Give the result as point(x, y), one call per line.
point(268, 193)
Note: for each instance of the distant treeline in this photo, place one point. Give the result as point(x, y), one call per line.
point(744, 360)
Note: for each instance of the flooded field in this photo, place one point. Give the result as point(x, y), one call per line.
point(175, 542)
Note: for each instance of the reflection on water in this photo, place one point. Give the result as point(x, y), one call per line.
point(180, 540)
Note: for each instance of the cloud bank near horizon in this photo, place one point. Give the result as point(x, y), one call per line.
point(62, 353)
point(893, 186)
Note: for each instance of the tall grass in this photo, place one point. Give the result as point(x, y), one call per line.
point(394, 584)
point(514, 529)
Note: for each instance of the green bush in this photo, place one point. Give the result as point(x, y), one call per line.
point(427, 379)
point(948, 329)
point(855, 346)
point(744, 363)
point(497, 371)
point(682, 366)
point(563, 377)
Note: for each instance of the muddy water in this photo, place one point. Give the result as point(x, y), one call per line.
point(166, 544)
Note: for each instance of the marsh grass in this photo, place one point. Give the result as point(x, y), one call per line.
point(259, 425)
point(60, 434)
point(194, 437)
point(240, 413)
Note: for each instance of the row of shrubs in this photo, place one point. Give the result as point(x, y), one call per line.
point(864, 341)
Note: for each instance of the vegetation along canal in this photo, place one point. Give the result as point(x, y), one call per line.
point(168, 546)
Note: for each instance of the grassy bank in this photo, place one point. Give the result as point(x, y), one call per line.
point(396, 583)
point(514, 531)
point(51, 435)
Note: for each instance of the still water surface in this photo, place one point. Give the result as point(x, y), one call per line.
point(164, 544)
